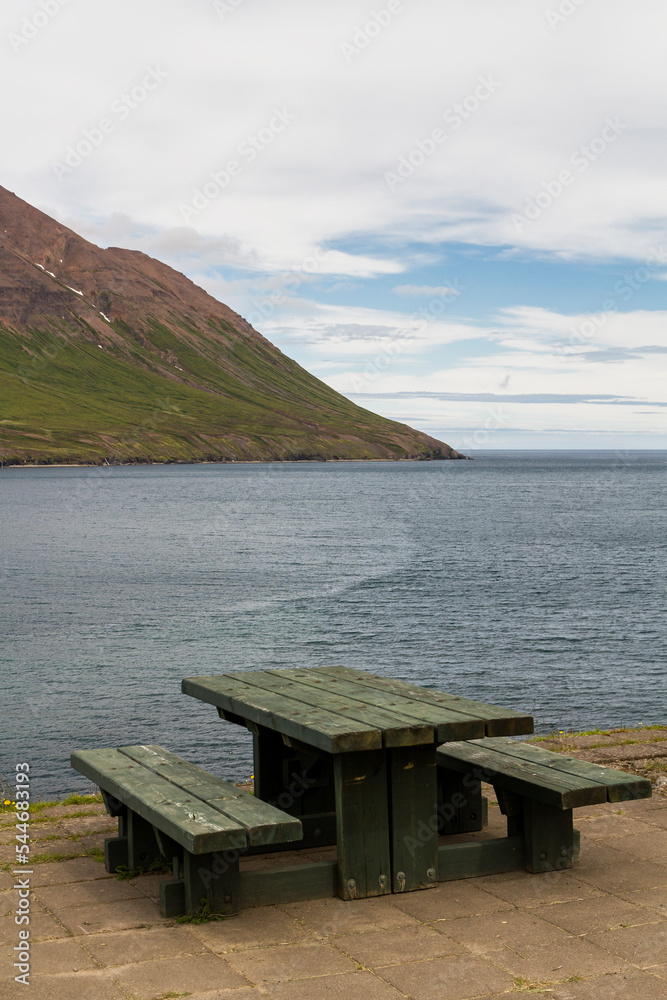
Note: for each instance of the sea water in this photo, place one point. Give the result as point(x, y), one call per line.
point(532, 580)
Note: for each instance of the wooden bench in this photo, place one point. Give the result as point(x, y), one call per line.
point(536, 789)
point(172, 810)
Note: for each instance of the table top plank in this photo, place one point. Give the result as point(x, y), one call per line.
point(314, 726)
point(312, 689)
point(448, 724)
point(498, 721)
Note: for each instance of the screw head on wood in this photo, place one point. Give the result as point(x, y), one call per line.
point(431, 873)
point(543, 856)
point(400, 876)
point(352, 883)
point(383, 879)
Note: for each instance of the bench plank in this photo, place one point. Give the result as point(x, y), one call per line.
point(448, 725)
point(529, 779)
point(314, 726)
point(193, 824)
point(264, 823)
point(621, 786)
point(552, 778)
point(498, 721)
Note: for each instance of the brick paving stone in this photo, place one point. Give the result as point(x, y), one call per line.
point(633, 985)
point(42, 926)
point(643, 946)
point(611, 825)
point(90, 824)
point(6, 881)
point(61, 955)
point(351, 986)
point(78, 893)
point(149, 885)
point(293, 961)
point(60, 872)
point(648, 846)
point(492, 932)
point(335, 916)
point(457, 978)
point(260, 926)
point(523, 889)
point(242, 993)
point(91, 918)
point(627, 876)
point(184, 974)
point(145, 945)
point(77, 986)
point(391, 946)
point(653, 899)
point(600, 913)
point(547, 962)
point(449, 900)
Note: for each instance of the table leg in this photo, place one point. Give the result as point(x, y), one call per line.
point(414, 817)
point(298, 781)
point(362, 824)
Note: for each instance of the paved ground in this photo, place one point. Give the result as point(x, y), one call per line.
point(597, 932)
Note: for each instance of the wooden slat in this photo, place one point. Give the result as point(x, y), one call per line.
point(523, 777)
point(316, 727)
point(264, 823)
point(620, 785)
point(193, 824)
point(362, 824)
point(397, 730)
point(498, 721)
point(291, 884)
point(483, 857)
point(448, 725)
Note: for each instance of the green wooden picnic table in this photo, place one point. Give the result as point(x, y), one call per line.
point(353, 755)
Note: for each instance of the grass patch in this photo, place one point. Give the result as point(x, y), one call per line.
point(203, 916)
point(123, 873)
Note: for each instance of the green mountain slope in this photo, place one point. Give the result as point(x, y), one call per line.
point(110, 356)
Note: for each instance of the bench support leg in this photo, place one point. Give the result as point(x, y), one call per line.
point(461, 806)
point(548, 837)
point(116, 848)
point(362, 824)
point(142, 847)
point(211, 881)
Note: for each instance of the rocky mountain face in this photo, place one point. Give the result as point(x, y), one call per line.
point(112, 356)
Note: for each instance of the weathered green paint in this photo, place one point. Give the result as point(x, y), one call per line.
point(484, 857)
point(362, 825)
point(291, 884)
point(543, 775)
point(414, 828)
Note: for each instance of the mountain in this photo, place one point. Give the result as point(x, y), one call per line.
point(111, 356)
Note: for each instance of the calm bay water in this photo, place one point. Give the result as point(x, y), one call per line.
point(534, 580)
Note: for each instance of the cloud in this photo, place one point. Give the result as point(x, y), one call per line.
point(426, 290)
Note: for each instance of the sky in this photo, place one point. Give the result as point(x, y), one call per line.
point(455, 213)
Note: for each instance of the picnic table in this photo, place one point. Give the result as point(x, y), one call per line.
point(353, 755)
